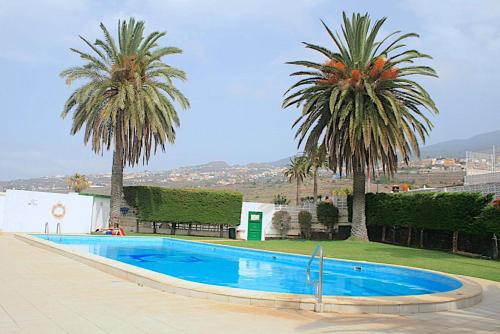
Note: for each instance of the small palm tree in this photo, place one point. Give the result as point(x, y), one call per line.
point(78, 182)
point(362, 104)
point(127, 100)
point(317, 158)
point(298, 169)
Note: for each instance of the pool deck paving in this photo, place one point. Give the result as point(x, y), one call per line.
point(43, 292)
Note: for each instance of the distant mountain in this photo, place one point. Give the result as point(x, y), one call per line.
point(218, 165)
point(449, 149)
point(280, 163)
point(213, 165)
point(456, 148)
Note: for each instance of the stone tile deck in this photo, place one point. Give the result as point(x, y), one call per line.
point(42, 292)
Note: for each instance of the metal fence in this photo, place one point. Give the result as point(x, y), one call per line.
point(482, 167)
point(482, 178)
point(340, 201)
point(484, 188)
point(294, 210)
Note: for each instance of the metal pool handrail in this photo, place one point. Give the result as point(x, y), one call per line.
point(318, 307)
point(58, 228)
point(46, 228)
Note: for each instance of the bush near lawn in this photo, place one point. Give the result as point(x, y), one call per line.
point(305, 222)
point(158, 204)
point(489, 219)
point(460, 212)
point(465, 213)
point(328, 215)
point(282, 222)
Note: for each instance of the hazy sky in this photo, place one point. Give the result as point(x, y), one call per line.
point(234, 54)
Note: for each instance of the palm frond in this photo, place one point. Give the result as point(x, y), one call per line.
point(360, 108)
point(128, 95)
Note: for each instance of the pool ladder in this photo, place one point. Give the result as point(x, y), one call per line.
point(318, 307)
point(58, 228)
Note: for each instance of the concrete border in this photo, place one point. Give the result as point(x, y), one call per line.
point(468, 295)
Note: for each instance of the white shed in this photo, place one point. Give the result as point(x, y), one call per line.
point(31, 211)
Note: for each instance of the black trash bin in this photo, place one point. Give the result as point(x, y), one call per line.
point(232, 233)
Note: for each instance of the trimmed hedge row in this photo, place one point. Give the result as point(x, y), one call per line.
point(490, 219)
point(185, 205)
point(458, 212)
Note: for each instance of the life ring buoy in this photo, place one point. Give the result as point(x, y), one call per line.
point(58, 211)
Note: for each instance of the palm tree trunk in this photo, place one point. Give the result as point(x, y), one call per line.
point(315, 184)
point(116, 188)
point(297, 194)
point(116, 181)
point(454, 246)
point(408, 239)
point(358, 205)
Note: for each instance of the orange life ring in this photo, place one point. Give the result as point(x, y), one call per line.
point(58, 211)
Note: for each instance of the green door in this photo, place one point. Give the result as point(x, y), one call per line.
point(254, 225)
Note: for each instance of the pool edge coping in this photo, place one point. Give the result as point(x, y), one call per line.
point(469, 294)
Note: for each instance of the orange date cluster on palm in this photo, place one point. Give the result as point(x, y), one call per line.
point(352, 78)
point(126, 70)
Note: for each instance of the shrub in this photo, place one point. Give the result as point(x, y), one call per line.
point(185, 205)
point(305, 220)
point(342, 191)
point(328, 215)
point(281, 222)
point(280, 199)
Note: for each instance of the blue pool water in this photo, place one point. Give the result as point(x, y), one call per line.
point(257, 270)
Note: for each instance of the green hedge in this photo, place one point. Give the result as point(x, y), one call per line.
point(437, 211)
point(185, 205)
point(489, 219)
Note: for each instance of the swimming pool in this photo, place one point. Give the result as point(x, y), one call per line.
point(258, 270)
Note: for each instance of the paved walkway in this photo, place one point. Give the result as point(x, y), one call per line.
point(42, 292)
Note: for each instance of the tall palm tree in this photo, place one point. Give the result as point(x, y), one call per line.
point(127, 99)
point(298, 169)
point(362, 104)
point(78, 182)
point(317, 160)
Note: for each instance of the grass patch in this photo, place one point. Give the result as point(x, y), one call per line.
point(384, 253)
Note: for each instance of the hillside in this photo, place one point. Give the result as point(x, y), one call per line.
point(260, 181)
point(456, 148)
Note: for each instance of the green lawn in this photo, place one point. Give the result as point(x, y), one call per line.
point(383, 253)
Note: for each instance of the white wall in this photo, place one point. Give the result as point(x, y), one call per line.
point(2, 205)
point(267, 215)
point(28, 211)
